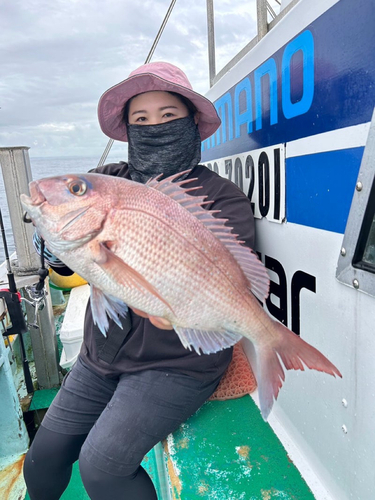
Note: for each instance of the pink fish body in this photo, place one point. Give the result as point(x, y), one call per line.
point(155, 248)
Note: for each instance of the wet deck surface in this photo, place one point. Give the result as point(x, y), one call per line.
point(227, 452)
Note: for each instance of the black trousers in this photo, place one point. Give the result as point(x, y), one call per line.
point(110, 425)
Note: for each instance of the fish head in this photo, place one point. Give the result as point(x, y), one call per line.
point(68, 210)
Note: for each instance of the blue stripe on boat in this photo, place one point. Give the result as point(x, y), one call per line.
point(320, 187)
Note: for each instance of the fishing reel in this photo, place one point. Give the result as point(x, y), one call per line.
point(13, 302)
point(37, 294)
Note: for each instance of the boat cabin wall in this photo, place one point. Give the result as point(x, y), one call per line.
point(296, 113)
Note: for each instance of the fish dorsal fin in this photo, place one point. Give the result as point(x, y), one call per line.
point(251, 266)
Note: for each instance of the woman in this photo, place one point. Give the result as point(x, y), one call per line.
point(131, 389)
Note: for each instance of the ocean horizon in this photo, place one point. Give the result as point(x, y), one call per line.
point(47, 167)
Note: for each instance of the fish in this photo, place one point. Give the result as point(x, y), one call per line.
point(155, 248)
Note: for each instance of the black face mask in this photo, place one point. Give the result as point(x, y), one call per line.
point(166, 148)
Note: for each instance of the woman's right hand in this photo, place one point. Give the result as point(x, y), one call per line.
point(157, 321)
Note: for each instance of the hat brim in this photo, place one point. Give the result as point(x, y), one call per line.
point(111, 104)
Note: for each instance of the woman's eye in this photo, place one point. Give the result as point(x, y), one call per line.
point(168, 115)
point(77, 188)
point(141, 119)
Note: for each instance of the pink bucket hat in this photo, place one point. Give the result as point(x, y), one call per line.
point(153, 76)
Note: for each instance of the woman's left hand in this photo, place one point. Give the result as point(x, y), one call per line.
point(157, 321)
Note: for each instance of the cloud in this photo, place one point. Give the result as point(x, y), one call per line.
point(59, 57)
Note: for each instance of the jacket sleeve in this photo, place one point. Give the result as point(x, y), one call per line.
point(53, 262)
point(116, 169)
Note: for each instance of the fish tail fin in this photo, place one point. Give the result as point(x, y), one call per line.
point(291, 351)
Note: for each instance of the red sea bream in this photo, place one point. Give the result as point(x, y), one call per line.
point(155, 248)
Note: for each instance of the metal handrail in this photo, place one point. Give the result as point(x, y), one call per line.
point(211, 40)
point(263, 27)
point(271, 11)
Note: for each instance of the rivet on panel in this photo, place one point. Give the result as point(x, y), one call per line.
point(343, 251)
point(359, 186)
point(356, 283)
point(344, 429)
point(344, 403)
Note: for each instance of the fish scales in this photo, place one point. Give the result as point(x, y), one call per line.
point(194, 268)
point(155, 248)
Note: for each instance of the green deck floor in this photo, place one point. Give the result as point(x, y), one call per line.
point(223, 452)
point(227, 452)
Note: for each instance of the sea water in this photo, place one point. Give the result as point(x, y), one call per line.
point(46, 167)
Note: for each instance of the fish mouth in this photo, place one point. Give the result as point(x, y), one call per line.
point(36, 195)
point(32, 202)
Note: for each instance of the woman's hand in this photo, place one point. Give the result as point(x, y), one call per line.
point(161, 323)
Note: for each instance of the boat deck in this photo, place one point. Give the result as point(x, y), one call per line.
point(223, 452)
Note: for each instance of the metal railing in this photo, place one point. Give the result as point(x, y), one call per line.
point(263, 27)
point(16, 172)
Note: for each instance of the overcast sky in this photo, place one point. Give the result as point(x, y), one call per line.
point(59, 56)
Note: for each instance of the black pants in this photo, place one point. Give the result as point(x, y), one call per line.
point(109, 425)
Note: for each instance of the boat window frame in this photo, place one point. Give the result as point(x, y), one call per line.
point(367, 229)
point(352, 270)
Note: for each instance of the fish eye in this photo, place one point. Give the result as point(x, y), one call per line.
point(77, 188)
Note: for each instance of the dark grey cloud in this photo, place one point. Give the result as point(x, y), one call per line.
point(58, 57)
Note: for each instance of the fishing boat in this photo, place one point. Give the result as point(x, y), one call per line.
point(298, 137)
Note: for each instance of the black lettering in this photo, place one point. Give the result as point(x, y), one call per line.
point(276, 211)
point(278, 290)
point(209, 165)
point(216, 168)
point(264, 184)
point(250, 174)
point(238, 175)
point(300, 280)
point(229, 168)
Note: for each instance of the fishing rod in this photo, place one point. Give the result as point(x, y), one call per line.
point(13, 301)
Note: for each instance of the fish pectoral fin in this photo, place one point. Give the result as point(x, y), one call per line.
point(104, 306)
point(206, 341)
point(122, 273)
